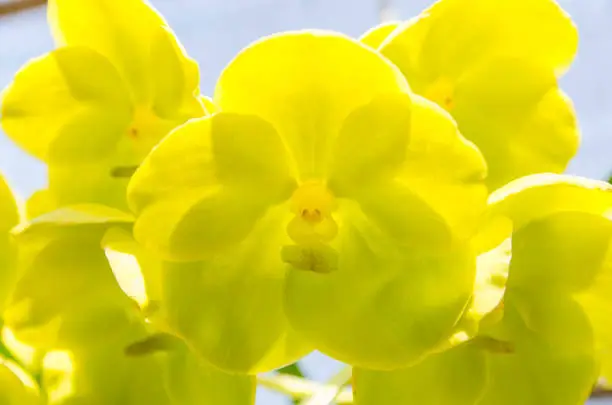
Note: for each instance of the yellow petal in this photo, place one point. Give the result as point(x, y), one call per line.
point(519, 119)
point(563, 251)
point(552, 359)
point(372, 143)
point(494, 67)
point(385, 306)
point(9, 218)
point(305, 84)
point(377, 35)
point(540, 195)
point(457, 377)
point(125, 33)
point(59, 100)
point(208, 104)
point(237, 294)
point(452, 36)
point(175, 79)
point(203, 188)
point(9, 212)
point(58, 305)
point(443, 168)
point(392, 151)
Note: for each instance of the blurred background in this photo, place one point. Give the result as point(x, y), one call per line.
point(213, 31)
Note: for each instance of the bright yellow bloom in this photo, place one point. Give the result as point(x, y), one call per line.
point(319, 194)
point(494, 66)
point(544, 341)
point(93, 108)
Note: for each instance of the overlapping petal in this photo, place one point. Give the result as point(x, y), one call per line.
point(240, 324)
point(9, 217)
point(494, 67)
point(69, 105)
point(403, 259)
point(210, 194)
point(66, 295)
point(133, 36)
point(542, 342)
point(377, 35)
point(95, 107)
point(305, 83)
point(204, 188)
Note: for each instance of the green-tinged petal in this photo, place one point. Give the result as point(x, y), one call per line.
point(451, 37)
point(66, 295)
point(551, 361)
point(305, 84)
point(206, 185)
point(104, 374)
point(456, 377)
point(16, 387)
point(564, 251)
point(191, 382)
point(9, 217)
point(128, 34)
point(560, 249)
point(69, 105)
point(385, 306)
point(377, 35)
point(239, 324)
point(494, 67)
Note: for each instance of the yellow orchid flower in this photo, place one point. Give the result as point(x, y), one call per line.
point(319, 196)
point(494, 66)
point(93, 108)
point(545, 340)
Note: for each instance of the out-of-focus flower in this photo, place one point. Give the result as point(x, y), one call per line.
point(93, 108)
point(494, 66)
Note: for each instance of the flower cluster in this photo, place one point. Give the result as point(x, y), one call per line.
point(394, 201)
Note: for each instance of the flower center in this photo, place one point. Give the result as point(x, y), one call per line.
point(442, 93)
point(312, 228)
point(312, 204)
